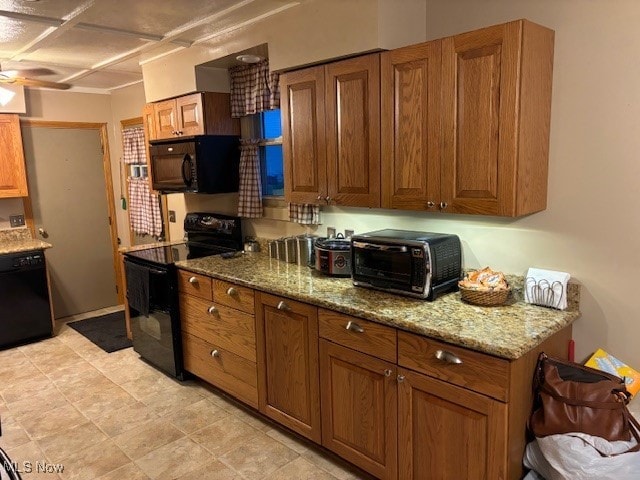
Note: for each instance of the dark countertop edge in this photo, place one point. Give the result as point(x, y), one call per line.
point(512, 354)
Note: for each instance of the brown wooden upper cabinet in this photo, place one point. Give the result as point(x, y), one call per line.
point(201, 113)
point(331, 133)
point(465, 122)
point(13, 176)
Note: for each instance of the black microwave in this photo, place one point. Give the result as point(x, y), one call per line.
point(203, 164)
point(417, 264)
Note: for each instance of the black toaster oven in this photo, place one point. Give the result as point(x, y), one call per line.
point(417, 264)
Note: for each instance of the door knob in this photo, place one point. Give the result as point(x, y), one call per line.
point(43, 233)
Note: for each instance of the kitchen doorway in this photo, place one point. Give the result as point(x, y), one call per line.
point(70, 205)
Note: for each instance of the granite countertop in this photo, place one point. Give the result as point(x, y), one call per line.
point(19, 240)
point(507, 331)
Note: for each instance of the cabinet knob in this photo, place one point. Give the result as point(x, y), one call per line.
point(283, 306)
point(173, 132)
point(431, 204)
point(212, 309)
point(443, 205)
point(232, 291)
point(215, 353)
point(448, 357)
point(354, 327)
point(319, 197)
point(400, 378)
point(327, 199)
point(179, 132)
point(387, 372)
point(193, 280)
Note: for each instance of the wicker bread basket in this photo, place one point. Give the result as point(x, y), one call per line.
point(488, 298)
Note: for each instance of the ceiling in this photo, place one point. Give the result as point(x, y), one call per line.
point(97, 45)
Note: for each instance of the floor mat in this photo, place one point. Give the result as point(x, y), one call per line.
point(107, 331)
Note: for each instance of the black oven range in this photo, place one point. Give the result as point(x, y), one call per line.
point(152, 286)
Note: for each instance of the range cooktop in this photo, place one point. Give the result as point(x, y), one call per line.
point(169, 254)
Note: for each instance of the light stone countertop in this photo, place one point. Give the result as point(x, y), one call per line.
point(507, 331)
point(19, 240)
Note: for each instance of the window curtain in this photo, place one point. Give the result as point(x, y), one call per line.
point(250, 188)
point(254, 89)
point(133, 144)
point(305, 214)
point(144, 208)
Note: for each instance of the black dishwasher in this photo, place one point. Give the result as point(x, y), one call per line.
point(25, 312)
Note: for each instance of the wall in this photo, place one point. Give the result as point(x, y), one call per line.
point(126, 103)
point(590, 228)
point(61, 106)
point(314, 31)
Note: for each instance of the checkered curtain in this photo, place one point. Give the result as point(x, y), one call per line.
point(133, 145)
point(306, 214)
point(144, 208)
point(253, 89)
point(250, 189)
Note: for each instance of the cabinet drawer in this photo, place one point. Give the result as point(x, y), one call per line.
point(226, 370)
point(194, 284)
point(230, 329)
point(361, 335)
point(233, 296)
point(477, 371)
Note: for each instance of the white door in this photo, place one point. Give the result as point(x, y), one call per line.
point(70, 211)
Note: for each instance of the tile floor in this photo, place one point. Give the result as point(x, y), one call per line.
point(65, 403)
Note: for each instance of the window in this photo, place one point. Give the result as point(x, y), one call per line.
point(271, 154)
point(267, 127)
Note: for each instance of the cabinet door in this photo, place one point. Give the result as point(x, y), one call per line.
point(353, 131)
point(496, 115)
point(303, 135)
point(13, 177)
point(165, 119)
point(448, 432)
point(410, 127)
point(190, 118)
point(359, 408)
point(287, 343)
point(148, 121)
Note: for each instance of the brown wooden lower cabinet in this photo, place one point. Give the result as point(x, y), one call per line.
point(447, 432)
point(406, 416)
point(359, 408)
point(288, 377)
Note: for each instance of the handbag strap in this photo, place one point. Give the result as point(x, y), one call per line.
point(582, 403)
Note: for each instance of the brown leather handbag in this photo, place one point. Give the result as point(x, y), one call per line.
point(570, 397)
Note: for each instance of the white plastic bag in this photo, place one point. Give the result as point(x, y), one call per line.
point(573, 457)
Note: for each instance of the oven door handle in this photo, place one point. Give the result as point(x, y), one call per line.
point(157, 272)
point(384, 248)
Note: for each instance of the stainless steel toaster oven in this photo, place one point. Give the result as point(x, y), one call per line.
point(417, 264)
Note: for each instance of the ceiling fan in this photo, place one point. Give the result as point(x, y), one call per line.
point(23, 77)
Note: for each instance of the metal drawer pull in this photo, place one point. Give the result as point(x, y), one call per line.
point(354, 327)
point(232, 291)
point(448, 357)
point(215, 353)
point(400, 378)
point(212, 309)
point(193, 280)
point(387, 372)
point(282, 306)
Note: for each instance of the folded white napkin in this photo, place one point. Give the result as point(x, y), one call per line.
point(546, 287)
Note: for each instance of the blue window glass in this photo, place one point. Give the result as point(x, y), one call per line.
point(272, 171)
point(271, 126)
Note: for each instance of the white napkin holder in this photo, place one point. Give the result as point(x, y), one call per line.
point(547, 288)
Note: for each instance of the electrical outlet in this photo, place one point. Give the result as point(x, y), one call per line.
point(172, 216)
point(16, 220)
